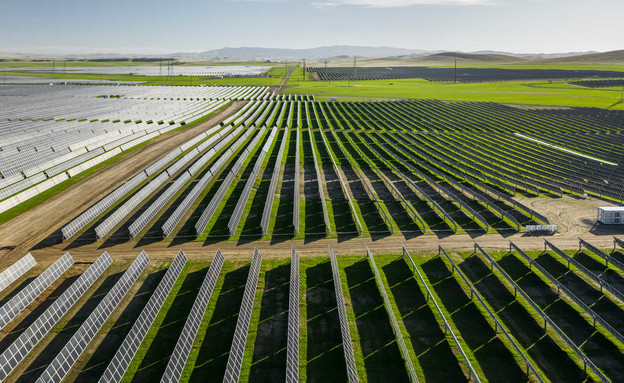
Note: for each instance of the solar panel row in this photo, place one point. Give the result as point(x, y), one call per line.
point(16, 270)
point(22, 299)
point(393, 320)
point(251, 180)
point(25, 343)
point(67, 357)
point(120, 362)
point(344, 324)
point(187, 337)
point(292, 343)
point(237, 350)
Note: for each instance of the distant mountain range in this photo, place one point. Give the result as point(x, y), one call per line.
point(345, 53)
point(280, 54)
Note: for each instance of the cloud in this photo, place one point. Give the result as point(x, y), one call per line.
point(400, 3)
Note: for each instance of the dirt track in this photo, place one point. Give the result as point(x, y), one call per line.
point(574, 216)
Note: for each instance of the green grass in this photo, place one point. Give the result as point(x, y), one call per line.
point(557, 93)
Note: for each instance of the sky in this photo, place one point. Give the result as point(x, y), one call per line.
point(168, 26)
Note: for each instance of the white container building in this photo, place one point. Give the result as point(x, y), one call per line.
point(611, 215)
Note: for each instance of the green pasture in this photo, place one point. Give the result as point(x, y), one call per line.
point(555, 93)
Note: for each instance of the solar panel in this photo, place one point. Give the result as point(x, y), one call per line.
point(343, 185)
point(497, 323)
point(292, 345)
point(206, 216)
point(395, 324)
point(17, 351)
point(266, 212)
point(120, 362)
point(94, 211)
point(187, 337)
point(208, 213)
point(22, 299)
point(67, 357)
point(319, 180)
point(533, 263)
point(181, 210)
point(237, 351)
point(16, 270)
point(344, 324)
point(297, 182)
point(472, 374)
point(251, 180)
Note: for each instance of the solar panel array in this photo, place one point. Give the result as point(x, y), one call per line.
point(395, 324)
point(23, 80)
point(203, 221)
point(251, 180)
point(27, 340)
point(191, 326)
point(603, 286)
point(155, 70)
point(85, 218)
point(268, 206)
point(607, 258)
point(547, 320)
point(497, 324)
point(459, 74)
point(16, 270)
point(432, 203)
point(406, 204)
point(140, 223)
point(341, 180)
point(120, 362)
point(53, 133)
point(344, 323)
point(124, 210)
point(292, 345)
point(297, 183)
point(67, 357)
point(94, 211)
point(181, 210)
point(472, 374)
point(22, 299)
point(237, 351)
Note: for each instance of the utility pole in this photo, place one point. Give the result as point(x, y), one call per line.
point(354, 70)
point(53, 66)
point(455, 71)
point(304, 69)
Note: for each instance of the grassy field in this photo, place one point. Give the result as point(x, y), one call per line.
point(517, 92)
point(555, 93)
